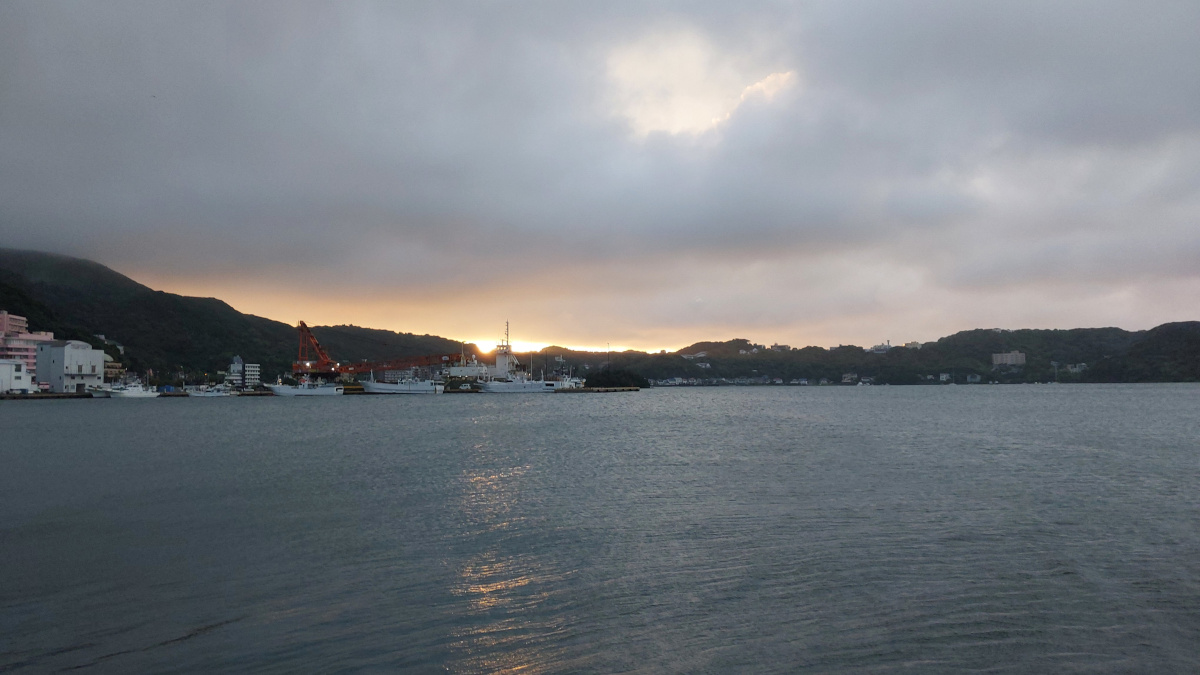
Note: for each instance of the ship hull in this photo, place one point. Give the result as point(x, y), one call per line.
point(406, 387)
point(133, 393)
point(306, 390)
point(526, 386)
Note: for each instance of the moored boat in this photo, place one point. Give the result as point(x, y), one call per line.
point(523, 386)
point(210, 392)
point(507, 377)
point(133, 391)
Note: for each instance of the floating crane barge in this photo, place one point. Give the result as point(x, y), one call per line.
point(313, 361)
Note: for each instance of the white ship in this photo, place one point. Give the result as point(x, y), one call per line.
point(306, 388)
point(133, 391)
point(521, 385)
point(403, 387)
point(502, 380)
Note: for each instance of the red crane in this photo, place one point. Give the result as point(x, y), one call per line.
point(313, 360)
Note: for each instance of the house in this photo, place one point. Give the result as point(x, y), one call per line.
point(15, 377)
point(849, 378)
point(69, 366)
point(912, 345)
point(703, 365)
point(974, 379)
point(945, 377)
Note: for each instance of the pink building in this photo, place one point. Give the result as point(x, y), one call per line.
point(16, 342)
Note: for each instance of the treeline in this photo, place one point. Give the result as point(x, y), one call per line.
point(1168, 353)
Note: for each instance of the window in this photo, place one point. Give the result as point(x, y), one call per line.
point(17, 368)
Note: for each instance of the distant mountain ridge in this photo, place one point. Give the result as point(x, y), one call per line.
point(78, 298)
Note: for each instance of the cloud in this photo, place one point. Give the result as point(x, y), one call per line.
point(809, 172)
point(680, 83)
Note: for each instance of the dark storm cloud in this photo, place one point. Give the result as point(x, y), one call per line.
point(975, 145)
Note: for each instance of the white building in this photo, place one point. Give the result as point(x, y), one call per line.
point(69, 366)
point(242, 375)
point(1013, 358)
point(15, 377)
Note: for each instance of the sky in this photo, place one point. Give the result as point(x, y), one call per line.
point(640, 175)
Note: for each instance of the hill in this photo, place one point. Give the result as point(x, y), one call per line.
point(354, 343)
point(79, 298)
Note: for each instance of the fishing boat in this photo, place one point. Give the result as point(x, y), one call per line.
point(133, 391)
point(210, 392)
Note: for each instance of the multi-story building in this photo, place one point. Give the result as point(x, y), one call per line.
point(15, 377)
point(242, 375)
point(1013, 358)
point(17, 342)
point(69, 366)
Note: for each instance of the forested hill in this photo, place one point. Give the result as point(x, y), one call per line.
point(1168, 353)
point(79, 298)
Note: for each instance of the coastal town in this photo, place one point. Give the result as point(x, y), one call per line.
point(34, 363)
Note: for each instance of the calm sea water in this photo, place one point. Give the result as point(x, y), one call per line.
point(1008, 529)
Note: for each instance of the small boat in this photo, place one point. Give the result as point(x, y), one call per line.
point(403, 387)
point(209, 392)
point(133, 391)
point(307, 388)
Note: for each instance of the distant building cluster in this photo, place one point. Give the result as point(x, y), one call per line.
point(33, 361)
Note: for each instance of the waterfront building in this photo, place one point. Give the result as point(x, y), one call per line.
point(242, 375)
point(17, 342)
point(15, 377)
point(69, 366)
point(1013, 358)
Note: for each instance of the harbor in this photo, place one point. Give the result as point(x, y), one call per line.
point(48, 369)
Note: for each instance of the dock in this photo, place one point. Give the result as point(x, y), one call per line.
point(596, 390)
point(40, 396)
